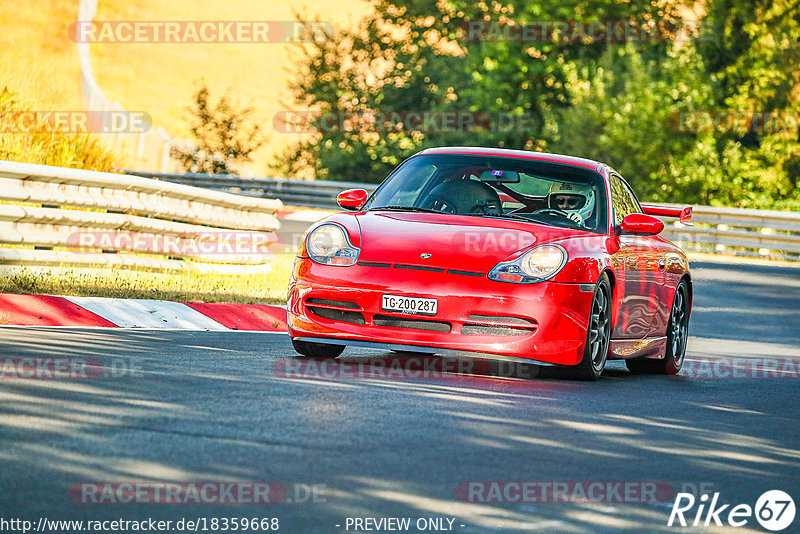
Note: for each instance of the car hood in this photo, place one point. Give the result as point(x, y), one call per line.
point(453, 241)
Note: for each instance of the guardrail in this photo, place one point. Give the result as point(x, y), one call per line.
point(53, 216)
point(740, 231)
point(717, 230)
point(317, 194)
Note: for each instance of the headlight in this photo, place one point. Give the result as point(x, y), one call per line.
point(538, 264)
point(328, 244)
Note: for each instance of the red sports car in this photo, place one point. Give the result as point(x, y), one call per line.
point(501, 252)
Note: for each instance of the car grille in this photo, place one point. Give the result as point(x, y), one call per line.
point(414, 324)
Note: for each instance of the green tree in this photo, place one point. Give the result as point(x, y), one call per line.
point(752, 59)
point(615, 103)
point(223, 137)
point(415, 55)
point(625, 115)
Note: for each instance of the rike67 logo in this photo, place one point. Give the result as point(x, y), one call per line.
point(774, 510)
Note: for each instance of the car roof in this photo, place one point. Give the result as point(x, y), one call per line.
point(526, 154)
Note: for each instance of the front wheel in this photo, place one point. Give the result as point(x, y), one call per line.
point(677, 333)
point(598, 335)
point(317, 350)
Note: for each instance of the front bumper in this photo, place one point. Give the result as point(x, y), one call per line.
point(545, 322)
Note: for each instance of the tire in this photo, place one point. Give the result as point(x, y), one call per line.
point(317, 350)
point(677, 333)
point(598, 335)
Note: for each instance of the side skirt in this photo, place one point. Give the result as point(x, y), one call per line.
point(623, 349)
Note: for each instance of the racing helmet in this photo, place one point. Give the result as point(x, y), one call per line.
point(577, 200)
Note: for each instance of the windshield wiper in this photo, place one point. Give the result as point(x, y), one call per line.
point(504, 216)
point(404, 208)
point(536, 220)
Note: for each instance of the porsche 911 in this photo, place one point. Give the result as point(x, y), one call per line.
point(506, 253)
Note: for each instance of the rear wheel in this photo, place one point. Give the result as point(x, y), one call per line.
point(317, 350)
point(677, 333)
point(598, 335)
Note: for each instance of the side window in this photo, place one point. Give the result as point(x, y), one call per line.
point(623, 198)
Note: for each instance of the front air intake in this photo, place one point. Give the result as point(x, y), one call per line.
point(487, 330)
point(413, 324)
point(344, 316)
point(498, 325)
point(337, 303)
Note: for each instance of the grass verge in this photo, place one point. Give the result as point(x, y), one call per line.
point(42, 142)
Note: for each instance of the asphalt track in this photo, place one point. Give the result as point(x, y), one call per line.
point(208, 406)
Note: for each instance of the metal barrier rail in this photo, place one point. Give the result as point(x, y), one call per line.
point(317, 194)
point(743, 231)
point(57, 216)
point(728, 230)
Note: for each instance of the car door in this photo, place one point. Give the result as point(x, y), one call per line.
point(639, 260)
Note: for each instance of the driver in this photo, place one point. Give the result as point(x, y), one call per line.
point(576, 200)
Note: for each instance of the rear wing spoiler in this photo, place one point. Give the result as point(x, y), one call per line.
point(682, 214)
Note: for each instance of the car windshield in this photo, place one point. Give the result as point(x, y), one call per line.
point(490, 186)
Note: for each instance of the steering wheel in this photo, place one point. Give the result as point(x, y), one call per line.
point(573, 216)
point(553, 211)
point(483, 206)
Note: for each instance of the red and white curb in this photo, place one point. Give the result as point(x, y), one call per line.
point(49, 310)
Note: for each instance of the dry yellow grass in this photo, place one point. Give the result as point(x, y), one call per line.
point(37, 54)
point(39, 71)
point(44, 144)
point(161, 78)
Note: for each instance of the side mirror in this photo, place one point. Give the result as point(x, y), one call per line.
point(641, 224)
point(352, 199)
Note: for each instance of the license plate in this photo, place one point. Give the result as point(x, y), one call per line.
point(409, 305)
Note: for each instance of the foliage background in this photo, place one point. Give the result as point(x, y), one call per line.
point(602, 100)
